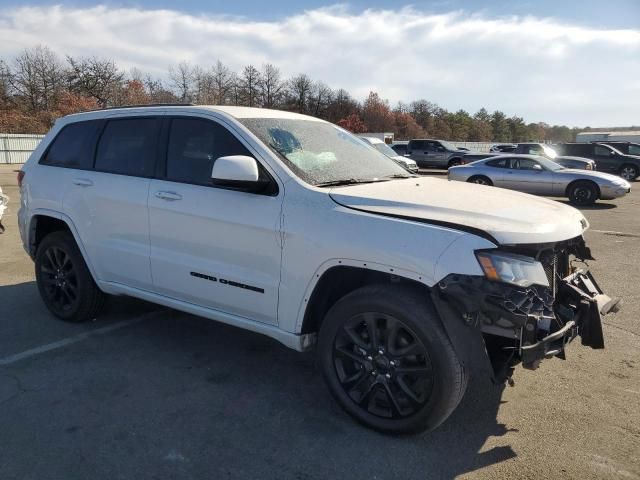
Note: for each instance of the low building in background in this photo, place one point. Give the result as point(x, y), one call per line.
point(610, 136)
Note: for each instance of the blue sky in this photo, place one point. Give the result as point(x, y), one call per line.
point(596, 13)
point(575, 63)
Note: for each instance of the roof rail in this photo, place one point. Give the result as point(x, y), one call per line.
point(151, 105)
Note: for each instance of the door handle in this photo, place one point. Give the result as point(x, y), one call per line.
point(82, 182)
point(169, 196)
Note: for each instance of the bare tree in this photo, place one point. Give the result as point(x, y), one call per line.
point(37, 78)
point(320, 98)
point(222, 83)
point(4, 84)
point(204, 87)
point(271, 86)
point(182, 78)
point(300, 90)
point(96, 77)
point(250, 86)
point(157, 92)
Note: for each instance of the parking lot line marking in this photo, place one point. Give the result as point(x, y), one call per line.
point(617, 234)
point(75, 339)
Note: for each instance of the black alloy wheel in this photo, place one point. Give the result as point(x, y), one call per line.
point(64, 280)
point(583, 193)
point(480, 180)
point(59, 279)
point(383, 365)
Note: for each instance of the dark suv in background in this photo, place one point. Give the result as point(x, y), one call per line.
point(608, 158)
point(628, 148)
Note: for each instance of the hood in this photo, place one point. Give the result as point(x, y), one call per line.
point(508, 217)
point(594, 174)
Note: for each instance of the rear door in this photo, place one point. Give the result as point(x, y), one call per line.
point(417, 151)
point(108, 203)
point(210, 246)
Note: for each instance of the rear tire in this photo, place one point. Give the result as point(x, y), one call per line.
point(583, 193)
point(64, 281)
point(387, 360)
point(629, 172)
point(480, 180)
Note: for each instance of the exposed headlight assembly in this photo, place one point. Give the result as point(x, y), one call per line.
point(512, 268)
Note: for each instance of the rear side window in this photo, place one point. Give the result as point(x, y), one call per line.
point(498, 163)
point(73, 146)
point(128, 147)
point(194, 145)
point(417, 145)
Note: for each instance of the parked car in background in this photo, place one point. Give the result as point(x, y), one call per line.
point(291, 227)
point(399, 147)
point(628, 148)
point(435, 153)
point(578, 163)
point(404, 162)
point(607, 158)
point(541, 176)
point(505, 147)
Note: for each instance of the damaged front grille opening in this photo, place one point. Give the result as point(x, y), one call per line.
point(527, 324)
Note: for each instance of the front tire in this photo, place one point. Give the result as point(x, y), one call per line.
point(454, 162)
point(64, 281)
point(629, 172)
point(583, 193)
point(387, 360)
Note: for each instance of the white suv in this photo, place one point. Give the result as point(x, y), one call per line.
point(289, 226)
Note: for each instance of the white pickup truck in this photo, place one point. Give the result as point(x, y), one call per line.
point(290, 226)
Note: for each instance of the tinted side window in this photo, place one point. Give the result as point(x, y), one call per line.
point(417, 145)
point(634, 149)
point(194, 145)
point(128, 146)
point(499, 163)
point(523, 163)
point(601, 151)
point(73, 146)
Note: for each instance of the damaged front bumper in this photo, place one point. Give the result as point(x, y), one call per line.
point(528, 324)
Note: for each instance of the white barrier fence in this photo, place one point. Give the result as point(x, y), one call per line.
point(16, 148)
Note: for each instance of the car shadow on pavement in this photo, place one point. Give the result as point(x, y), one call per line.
point(179, 396)
point(595, 206)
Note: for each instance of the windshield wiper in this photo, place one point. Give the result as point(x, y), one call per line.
point(346, 181)
point(400, 175)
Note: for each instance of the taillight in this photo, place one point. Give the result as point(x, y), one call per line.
point(20, 178)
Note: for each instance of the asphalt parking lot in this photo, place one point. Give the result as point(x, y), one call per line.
point(147, 392)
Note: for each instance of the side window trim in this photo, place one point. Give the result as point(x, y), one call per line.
point(161, 171)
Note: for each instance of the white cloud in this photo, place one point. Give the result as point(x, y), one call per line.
point(542, 69)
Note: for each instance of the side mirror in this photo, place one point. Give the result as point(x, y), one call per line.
point(537, 167)
point(236, 171)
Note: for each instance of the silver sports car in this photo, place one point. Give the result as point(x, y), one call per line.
point(541, 176)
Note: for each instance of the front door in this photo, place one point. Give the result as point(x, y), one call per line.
point(213, 247)
point(527, 175)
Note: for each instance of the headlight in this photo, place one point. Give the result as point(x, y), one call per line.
point(511, 268)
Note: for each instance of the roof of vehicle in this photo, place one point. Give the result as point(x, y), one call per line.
point(232, 111)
